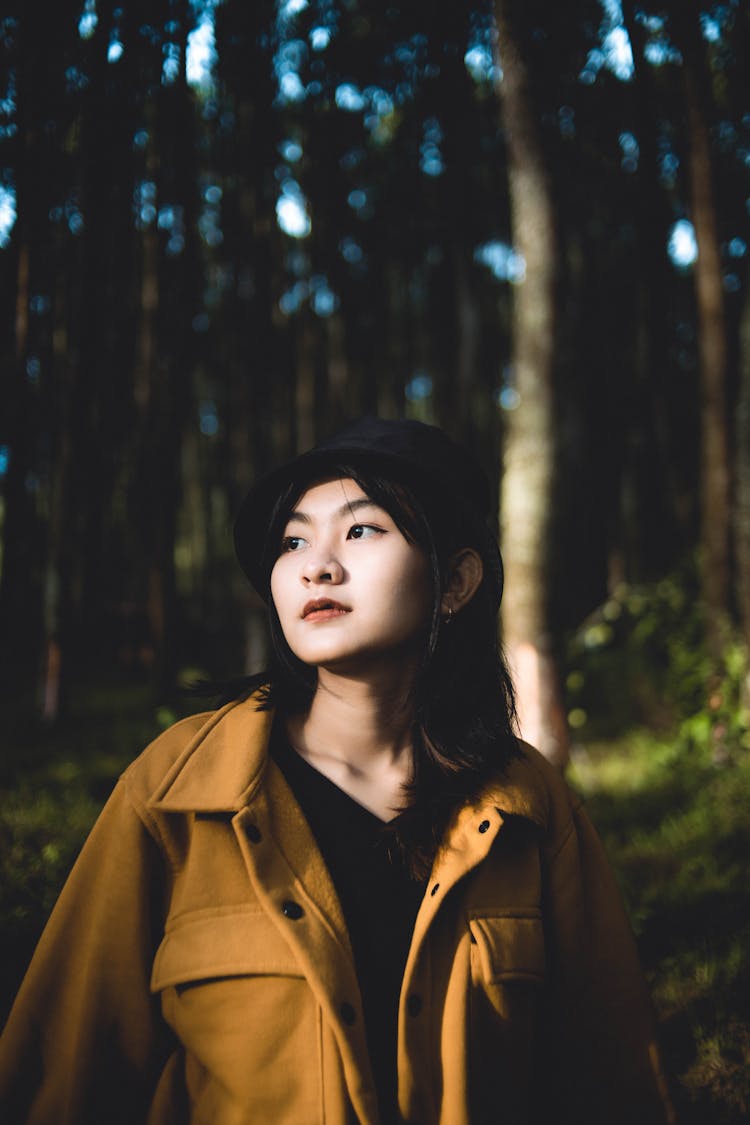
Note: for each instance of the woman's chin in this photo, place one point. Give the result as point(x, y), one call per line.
point(365, 664)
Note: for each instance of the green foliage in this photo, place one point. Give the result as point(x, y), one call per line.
point(53, 782)
point(662, 756)
point(675, 823)
point(41, 830)
point(642, 656)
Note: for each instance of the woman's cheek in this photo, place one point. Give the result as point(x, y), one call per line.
point(279, 589)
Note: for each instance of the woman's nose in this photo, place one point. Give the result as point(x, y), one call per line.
point(322, 568)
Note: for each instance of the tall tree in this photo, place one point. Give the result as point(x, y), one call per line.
point(34, 434)
point(742, 497)
point(529, 439)
point(165, 360)
point(651, 461)
point(250, 362)
point(712, 326)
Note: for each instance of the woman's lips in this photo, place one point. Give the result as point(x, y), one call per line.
point(323, 609)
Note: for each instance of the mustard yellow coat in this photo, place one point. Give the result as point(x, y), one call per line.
point(197, 966)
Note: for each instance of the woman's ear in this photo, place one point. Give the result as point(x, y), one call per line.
point(465, 573)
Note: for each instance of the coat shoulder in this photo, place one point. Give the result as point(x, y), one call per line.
point(205, 747)
point(534, 788)
point(549, 777)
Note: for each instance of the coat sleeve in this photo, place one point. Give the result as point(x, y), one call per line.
point(601, 1052)
point(85, 1041)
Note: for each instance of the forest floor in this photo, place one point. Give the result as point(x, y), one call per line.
point(676, 826)
point(675, 823)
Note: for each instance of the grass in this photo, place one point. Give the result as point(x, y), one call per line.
point(674, 818)
point(676, 826)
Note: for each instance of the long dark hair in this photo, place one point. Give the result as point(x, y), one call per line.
point(462, 697)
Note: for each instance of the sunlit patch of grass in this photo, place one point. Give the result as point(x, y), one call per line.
point(696, 837)
point(638, 761)
point(676, 825)
point(695, 974)
point(720, 1075)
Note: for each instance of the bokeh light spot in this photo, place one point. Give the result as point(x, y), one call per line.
point(682, 246)
point(350, 98)
point(292, 216)
point(320, 37)
point(419, 387)
point(8, 213)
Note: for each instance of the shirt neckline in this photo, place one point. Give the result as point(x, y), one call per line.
point(287, 756)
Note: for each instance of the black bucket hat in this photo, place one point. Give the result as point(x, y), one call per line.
point(422, 457)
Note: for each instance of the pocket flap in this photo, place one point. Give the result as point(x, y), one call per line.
point(221, 943)
point(510, 946)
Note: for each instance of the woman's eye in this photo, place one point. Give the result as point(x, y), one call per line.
point(363, 531)
point(291, 543)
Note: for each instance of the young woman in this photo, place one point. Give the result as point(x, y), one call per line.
point(350, 894)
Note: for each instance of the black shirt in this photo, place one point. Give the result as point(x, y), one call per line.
point(379, 898)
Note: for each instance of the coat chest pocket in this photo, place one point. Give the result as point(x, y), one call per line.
point(507, 947)
point(244, 1014)
point(507, 974)
point(212, 944)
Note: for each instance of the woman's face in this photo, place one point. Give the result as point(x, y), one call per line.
point(349, 589)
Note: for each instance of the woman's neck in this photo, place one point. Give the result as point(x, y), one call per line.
point(358, 733)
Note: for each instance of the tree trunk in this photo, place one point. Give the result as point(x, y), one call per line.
point(304, 402)
point(526, 487)
point(742, 498)
point(143, 377)
point(58, 571)
point(17, 632)
point(658, 530)
point(22, 544)
point(713, 357)
point(712, 335)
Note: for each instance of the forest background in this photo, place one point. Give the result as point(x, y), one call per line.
point(228, 227)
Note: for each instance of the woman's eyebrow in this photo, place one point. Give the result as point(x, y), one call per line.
point(298, 517)
point(353, 506)
point(347, 509)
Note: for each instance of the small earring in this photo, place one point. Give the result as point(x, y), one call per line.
point(447, 620)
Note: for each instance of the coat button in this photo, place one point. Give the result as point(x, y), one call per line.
point(291, 909)
point(484, 826)
point(414, 1004)
point(435, 889)
point(254, 834)
point(348, 1014)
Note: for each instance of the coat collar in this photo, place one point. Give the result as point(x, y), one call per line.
point(222, 765)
